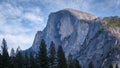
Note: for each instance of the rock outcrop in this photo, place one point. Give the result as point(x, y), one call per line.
point(83, 35)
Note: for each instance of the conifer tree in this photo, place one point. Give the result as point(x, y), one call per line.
point(76, 64)
point(0, 60)
point(70, 61)
point(26, 61)
point(12, 58)
point(19, 59)
point(12, 53)
point(91, 65)
point(52, 56)
point(5, 55)
point(61, 58)
point(117, 66)
point(111, 66)
point(32, 61)
point(42, 55)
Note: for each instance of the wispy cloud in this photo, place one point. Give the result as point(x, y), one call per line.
point(13, 24)
point(33, 17)
point(97, 7)
point(61, 4)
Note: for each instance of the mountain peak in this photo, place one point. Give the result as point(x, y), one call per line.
point(79, 14)
point(86, 40)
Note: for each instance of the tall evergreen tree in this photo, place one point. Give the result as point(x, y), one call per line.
point(76, 64)
point(32, 61)
point(19, 59)
point(5, 55)
point(117, 66)
point(0, 60)
point(42, 55)
point(91, 65)
point(12, 53)
point(12, 58)
point(26, 61)
point(111, 66)
point(70, 61)
point(52, 56)
point(61, 58)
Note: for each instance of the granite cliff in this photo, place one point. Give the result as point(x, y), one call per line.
point(87, 37)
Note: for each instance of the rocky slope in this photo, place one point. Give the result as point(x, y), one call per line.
point(82, 34)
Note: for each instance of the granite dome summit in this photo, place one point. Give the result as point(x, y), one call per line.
point(81, 34)
point(79, 14)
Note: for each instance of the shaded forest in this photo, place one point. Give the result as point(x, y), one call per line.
point(45, 58)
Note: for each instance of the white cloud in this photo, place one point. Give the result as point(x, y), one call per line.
point(11, 25)
point(22, 40)
point(61, 4)
point(97, 7)
point(33, 18)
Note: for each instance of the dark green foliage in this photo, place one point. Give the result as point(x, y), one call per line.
point(116, 47)
point(73, 63)
point(76, 64)
point(42, 55)
point(32, 61)
point(91, 65)
point(117, 66)
point(19, 59)
point(111, 66)
point(12, 58)
point(52, 56)
point(112, 21)
point(12, 54)
point(61, 58)
point(5, 55)
point(70, 61)
point(0, 60)
point(26, 61)
point(42, 60)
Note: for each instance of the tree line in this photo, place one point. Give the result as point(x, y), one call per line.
point(45, 58)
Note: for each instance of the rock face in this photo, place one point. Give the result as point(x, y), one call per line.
point(80, 34)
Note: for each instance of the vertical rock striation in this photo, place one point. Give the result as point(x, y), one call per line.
point(80, 34)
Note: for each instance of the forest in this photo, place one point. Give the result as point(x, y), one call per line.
point(45, 58)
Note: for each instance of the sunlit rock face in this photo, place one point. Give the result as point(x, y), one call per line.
point(68, 28)
point(81, 35)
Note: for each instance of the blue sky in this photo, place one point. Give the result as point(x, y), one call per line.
point(21, 19)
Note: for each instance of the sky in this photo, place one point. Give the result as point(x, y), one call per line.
point(21, 19)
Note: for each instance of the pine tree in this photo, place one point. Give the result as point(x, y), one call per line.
point(19, 59)
point(12, 58)
point(0, 60)
point(42, 55)
point(76, 64)
point(26, 61)
point(70, 61)
point(12, 53)
point(52, 56)
point(117, 66)
point(111, 66)
point(61, 58)
point(5, 55)
point(91, 65)
point(32, 61)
